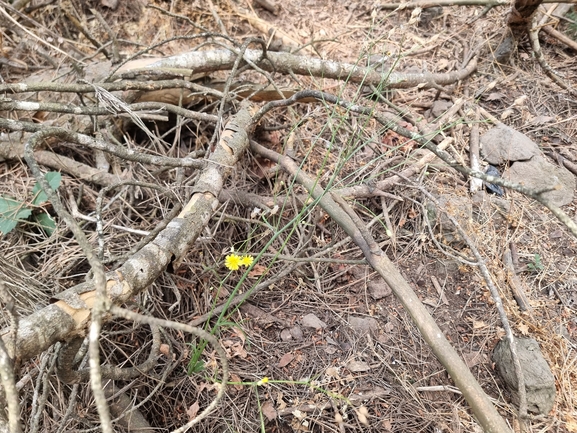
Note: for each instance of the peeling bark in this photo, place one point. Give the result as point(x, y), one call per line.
point(69, 315)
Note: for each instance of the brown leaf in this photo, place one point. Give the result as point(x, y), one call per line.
point(257, 271)
point(286, 360)
point(524, 329)
point(495, 96)
point(164, 349)
point(236, 378)
point(362, 413)
point(357, 366)
point(268, 410)
point(193, 410)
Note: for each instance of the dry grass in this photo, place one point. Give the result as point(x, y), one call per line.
point(341, 149)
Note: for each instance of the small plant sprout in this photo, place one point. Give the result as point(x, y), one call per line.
point(13, 212)
point(536, 265)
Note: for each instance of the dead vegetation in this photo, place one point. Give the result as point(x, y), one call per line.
point(338, 351)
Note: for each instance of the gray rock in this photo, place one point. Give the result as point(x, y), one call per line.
point(312, 321)
point(378, 288)
point(501, 144)
point(296, 332)
point(286, 335)
point(363, 325)
point(539, 381)
point(439, 107)
point(459, 208)
point(538, 173)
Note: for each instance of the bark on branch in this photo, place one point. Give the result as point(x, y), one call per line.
point(69, 315)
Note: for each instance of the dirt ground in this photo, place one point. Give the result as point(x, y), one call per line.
point(337, 348)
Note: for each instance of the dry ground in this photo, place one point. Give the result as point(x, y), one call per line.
point(382, 365)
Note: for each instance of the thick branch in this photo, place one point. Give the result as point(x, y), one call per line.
point(70, 313)
point(206, 61)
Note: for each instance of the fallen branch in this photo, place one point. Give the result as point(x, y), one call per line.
point(207, 61)
point(70, 311)
point(485, 412)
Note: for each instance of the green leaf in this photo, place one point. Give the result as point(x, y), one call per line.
point(46, 222)
point(53, 178)
point(195, 365)
point(11, 212)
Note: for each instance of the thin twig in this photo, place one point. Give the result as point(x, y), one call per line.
point(495, 295)
point(121, 312)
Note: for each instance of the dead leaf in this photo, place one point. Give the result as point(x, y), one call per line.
point(495, 96)
point(332, 372)
point(240, 334)
point(362, 413)
point(164, 349)
point(281, 404)
point(257, 271)
point(193, 410)
point(387, 424)
point(479, 324)
point(541, 120)
point(298, 414)
point(430, 302)
point(268, 410)
point(234, 348)
point(262, 167)
point(312, 321)
point(520, 101)
point(442, 64)
point(235, 378)
point(523, 329)
point(506, 113)
point(357, 366)
point(286, 360)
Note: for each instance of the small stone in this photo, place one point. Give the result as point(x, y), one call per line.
point(501, 144)
point(539, 381)
point(357, 366)
point(286, 335)
point(439, 107)
point(538, 173)
point(296, 332)
point(312, 321)
point(363, 325)
point(378, 288)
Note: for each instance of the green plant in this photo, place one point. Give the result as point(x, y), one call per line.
point(572, 26)
point(536, 265)
point(13, 211)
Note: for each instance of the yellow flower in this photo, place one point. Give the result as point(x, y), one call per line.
point(246, 260)
point(262, 381)
point(233, 262)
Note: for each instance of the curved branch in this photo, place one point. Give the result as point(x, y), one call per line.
point(121, 312)
point(68, 375)
point(70, 311)
point(84, 140)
